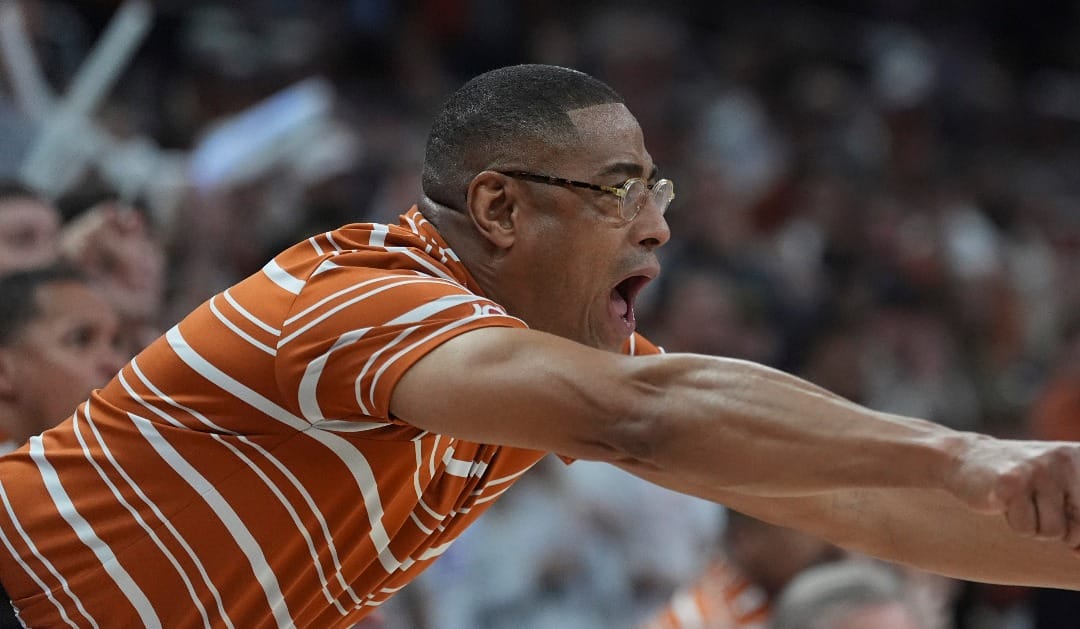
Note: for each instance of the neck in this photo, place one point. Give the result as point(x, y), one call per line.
point(476, 253)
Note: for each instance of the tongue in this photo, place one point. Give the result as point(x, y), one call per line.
point(620, 305)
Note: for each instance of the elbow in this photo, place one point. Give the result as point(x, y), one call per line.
point(635, 428)
point(634, 439)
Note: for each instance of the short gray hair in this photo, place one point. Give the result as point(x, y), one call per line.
point(815, 598)
point(496, 117)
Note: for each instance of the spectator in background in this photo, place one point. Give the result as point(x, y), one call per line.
point(580, 546)
point(707, 311)
point(756, 561)
point(1056, 411)
point(112, 245)
point(58, 342)
point(29, 227)
point(846, 595)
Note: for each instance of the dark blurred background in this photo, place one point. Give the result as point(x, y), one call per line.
point(881, 196)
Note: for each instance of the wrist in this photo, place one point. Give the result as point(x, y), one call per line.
point(924, 454)
point(951, 448)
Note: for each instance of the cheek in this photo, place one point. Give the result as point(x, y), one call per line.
point(559, 264)
point(65, 394)
point(63, 374)
point(583, 261)
point(573, 263)
point(577, 280)
point(26, 258)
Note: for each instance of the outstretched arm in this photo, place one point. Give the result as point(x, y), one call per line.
point(928, 529)
point(732, 429)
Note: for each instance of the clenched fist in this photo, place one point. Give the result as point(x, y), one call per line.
point(1034, 484)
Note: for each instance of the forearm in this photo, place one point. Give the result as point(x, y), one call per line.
point(927, 529)
point(744, 427)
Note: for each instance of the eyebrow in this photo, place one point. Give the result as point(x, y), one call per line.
point(630, 169)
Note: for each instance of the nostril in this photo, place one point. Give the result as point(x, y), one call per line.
point(655, 233)
point(656, 239)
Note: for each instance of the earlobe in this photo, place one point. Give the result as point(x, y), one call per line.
point(490, 204)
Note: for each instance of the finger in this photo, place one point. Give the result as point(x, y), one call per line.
point(1072, 522)
point(1022, 515)
point(1072, 497)
point(1050, 514)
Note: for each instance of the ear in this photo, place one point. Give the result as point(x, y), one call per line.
point(490, 204)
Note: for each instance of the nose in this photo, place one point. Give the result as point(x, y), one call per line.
point(652, 227)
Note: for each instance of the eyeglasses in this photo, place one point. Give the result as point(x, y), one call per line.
point(633, 193)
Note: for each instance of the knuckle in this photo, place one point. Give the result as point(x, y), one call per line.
point(1062, 457)
point(1016, 478)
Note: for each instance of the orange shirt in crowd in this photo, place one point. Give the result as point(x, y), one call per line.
point(722, 598)
point(243, 470)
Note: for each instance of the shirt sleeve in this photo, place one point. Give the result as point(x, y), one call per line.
point(638, 345)
point(352, 333)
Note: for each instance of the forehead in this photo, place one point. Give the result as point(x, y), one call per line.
point(69, 298)
point(23, 209)
point(611, 141)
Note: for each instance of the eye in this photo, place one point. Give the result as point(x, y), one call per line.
point(81, 336)
point(23, 237)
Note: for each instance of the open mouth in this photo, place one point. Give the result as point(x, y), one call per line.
point(622, 298)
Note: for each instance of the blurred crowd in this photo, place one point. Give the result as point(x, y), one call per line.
point(881, 197)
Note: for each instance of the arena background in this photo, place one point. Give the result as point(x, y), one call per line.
point(883, 197)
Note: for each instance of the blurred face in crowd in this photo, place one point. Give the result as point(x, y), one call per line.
point(28, 233)
point(579, 264)
point(55, 361)
point(771, 555)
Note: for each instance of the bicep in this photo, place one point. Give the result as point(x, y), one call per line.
point(519, 388)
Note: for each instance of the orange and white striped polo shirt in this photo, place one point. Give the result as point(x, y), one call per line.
point(243, 470)
point(722, 598)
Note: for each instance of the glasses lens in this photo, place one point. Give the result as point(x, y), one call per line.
point(634, 198)
point(663, 192)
